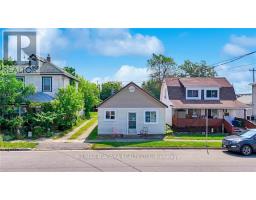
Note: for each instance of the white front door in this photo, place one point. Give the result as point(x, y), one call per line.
point(132, 122)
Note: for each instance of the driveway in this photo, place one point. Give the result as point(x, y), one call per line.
point(126, 160)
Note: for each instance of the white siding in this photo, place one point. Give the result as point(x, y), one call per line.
point(58, 81)
point(120, 124)
point(165, 99)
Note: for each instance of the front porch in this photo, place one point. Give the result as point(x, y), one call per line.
point(191, 120)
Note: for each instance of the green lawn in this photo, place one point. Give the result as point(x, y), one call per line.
point(17, 145)
point(80, 121)
point(84, 128)
point(157, 144)
point(93, 135)
point(196, 136)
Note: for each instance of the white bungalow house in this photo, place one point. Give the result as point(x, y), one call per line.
point(131, 111)
point(45, 76)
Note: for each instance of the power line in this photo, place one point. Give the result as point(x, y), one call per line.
point(232, 59)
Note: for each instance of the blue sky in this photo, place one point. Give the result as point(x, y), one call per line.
point(121, 54)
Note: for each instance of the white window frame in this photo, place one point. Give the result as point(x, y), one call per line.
point(157, 116)
point(109, 110)
point(212, 98)
point(193, 98)
point(43, 78)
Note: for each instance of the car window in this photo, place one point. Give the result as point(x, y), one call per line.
point(248, 134)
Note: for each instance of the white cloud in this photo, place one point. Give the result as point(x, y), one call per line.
point(116, 42)
point(240, 78)
point(233, 49)
point(243, 40)
point(49, 40)
point(126, 74)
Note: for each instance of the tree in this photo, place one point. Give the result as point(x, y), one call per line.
point(152, 88)
point(201, 69)
point(12, 94)
point(161, 67)
point(109, 88)
point(67, 104)
point(70, 70)
point(90, 93)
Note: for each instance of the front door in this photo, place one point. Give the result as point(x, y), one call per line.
point(132, 122)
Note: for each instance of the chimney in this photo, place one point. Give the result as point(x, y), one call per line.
point(48, 58)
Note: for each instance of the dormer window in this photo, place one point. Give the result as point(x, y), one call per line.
point(193, 94)
point(212, 94)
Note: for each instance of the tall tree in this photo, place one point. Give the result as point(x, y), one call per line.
point(12, 94)
point(109, 88)
point(90, 93)
point(70, 70)
point(152, 88)
point(161, 67)
point(67, 104)
point(201, 69)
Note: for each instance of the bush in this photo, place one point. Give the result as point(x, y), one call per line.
point(8, 137)
point(38, 131)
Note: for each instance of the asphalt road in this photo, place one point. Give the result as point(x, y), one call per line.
point(126, 160)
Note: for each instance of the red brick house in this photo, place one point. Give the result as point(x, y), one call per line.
point(190, 100)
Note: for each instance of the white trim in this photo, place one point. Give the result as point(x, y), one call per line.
point(110, 120)
point(150, 110)
point(212, 98)
point(127, 122)
point(194, 98)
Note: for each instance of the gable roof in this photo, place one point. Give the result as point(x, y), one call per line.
point(140, 89)
point(48, 68)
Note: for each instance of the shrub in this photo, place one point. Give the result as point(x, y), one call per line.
point(8, 137)
point(38, 131)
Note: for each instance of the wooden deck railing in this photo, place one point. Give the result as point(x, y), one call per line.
point(198, 122)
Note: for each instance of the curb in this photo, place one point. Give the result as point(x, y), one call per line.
point(19, 149)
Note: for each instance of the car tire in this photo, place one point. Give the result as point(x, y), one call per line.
point(246, 150)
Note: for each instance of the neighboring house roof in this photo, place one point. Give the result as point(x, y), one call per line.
point(245, 98)
point(198, 82)
point(40, 97)
point(177, 93)
point(48, 68)
point(126, 101)
point(214, 104)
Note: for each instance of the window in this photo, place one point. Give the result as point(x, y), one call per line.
point(194, 113)
point(21, 78)
point(212, 94)
point(110, 115)
point(150, 116)
point(192, 93)
point(46, 84)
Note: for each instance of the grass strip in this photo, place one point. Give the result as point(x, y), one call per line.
point(17, 145)
point(196, 136)
point(157, 144)
point(80, 131)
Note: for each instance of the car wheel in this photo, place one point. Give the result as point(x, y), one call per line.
point(246, 150)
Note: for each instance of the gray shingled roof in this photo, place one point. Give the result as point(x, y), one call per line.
point(40, 97)
point(49, 68)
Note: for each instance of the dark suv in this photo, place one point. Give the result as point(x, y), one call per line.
point(244, 143)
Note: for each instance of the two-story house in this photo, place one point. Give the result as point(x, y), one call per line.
point(191, 100)
point(46, 77)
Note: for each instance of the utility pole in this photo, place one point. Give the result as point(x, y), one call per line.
point(206, 129)
point(253, 70)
